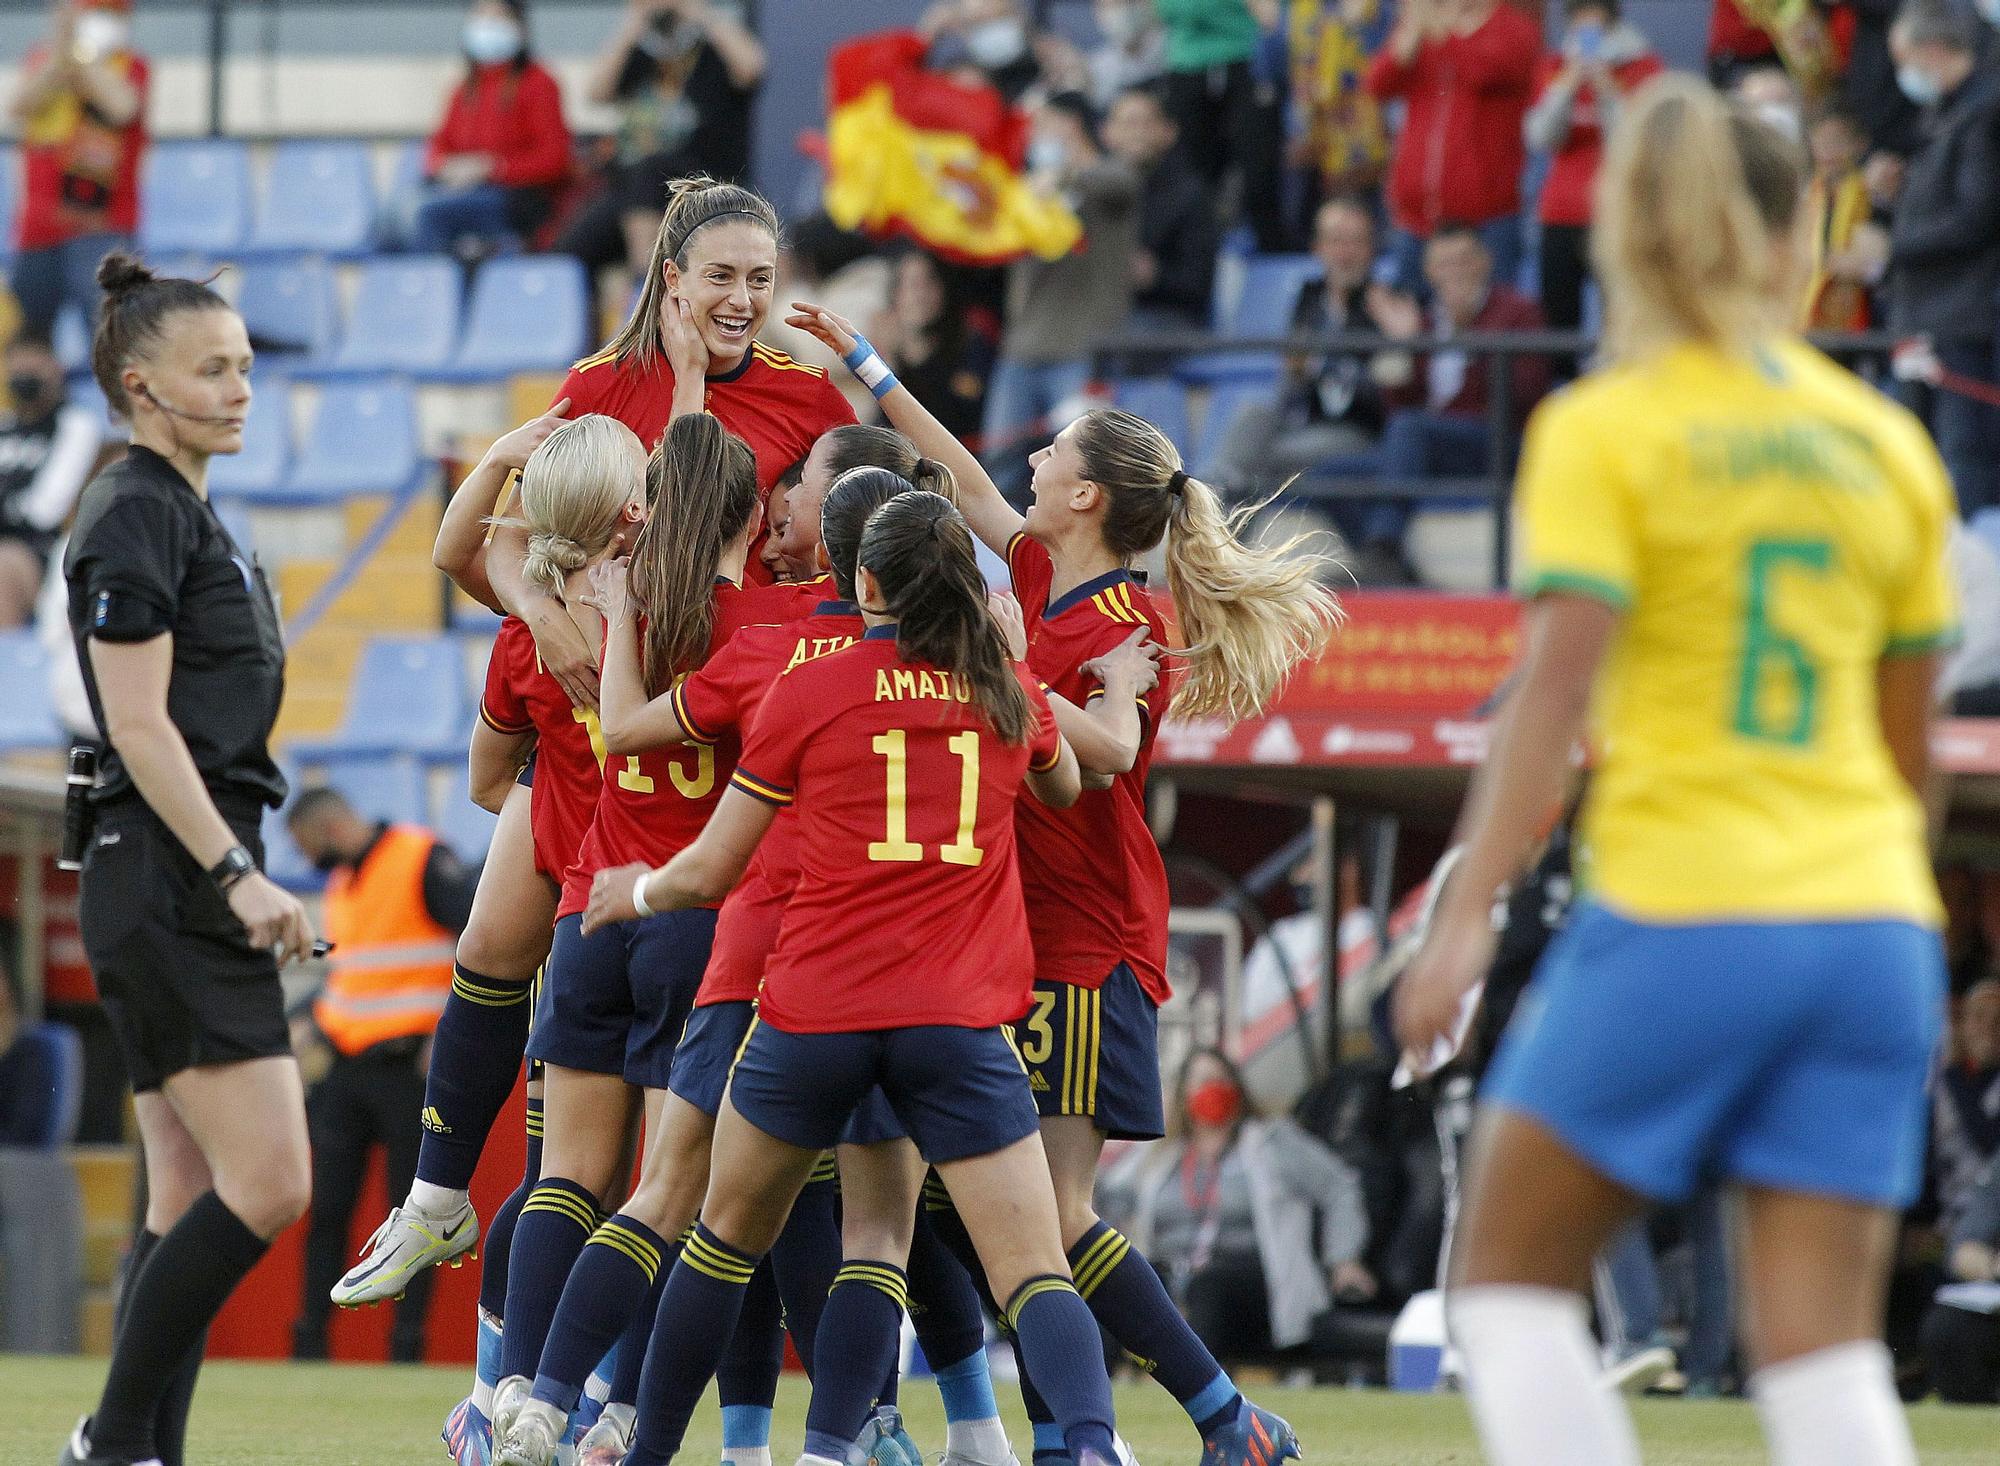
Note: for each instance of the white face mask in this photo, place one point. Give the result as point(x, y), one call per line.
point(1047, 154)
point(489, 39)
point(1124, 24)
point(100, 33)
point(996, 43)
point(1783, 119)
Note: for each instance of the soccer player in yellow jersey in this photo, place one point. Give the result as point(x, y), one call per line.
point(1735, 557)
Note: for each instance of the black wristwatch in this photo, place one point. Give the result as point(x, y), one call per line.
point(233, 867)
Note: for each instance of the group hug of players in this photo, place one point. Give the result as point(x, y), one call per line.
point(836, 876)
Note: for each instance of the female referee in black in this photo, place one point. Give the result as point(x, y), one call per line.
point(183, 658)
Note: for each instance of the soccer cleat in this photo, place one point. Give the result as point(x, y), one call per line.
point(1255, 1437)
point(468, 1435)
point(532, 1438)
point(76, 1451)
point(508, 1397)
point(884, 1442)
point(403, 1246)
point(606, 1442)
point(1640, 1370)
point(960, 1459)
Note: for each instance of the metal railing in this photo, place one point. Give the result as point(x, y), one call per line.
point(1156, 353)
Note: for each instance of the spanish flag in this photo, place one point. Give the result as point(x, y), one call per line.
point(912, 152)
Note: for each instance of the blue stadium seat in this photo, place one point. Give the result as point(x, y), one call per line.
point(84, 392)
point(408, 697)
point(1162, 402)
point(363, 441)
point(460, 823)
point(282, 861)
point(258, 472)
point(291, 307)
point(71, 339)
point(197, 197)
point(405, 317)
point(1271, 286)
point(1226, 401)
point(528, 313)
point(379, 788)
point(27, 716)
point(319, 196)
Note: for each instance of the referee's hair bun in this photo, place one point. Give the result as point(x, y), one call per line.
point(120, 274)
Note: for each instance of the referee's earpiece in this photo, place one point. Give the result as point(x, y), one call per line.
point(140, 389)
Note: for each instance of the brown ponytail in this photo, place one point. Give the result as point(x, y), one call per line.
point(136, 306)
point(920, 552)
point(691, 203)
point(870, 445)
point(702, 481)
point(1250, 612)
point(844, 514)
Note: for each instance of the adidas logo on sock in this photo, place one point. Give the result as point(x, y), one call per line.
point(434, 1122)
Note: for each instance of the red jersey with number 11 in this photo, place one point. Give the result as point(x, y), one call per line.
point(521, 696)
point(908, 908)
point(1093, 878)
point(655, 803)
point(723, 697)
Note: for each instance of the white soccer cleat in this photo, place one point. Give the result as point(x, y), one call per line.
point(509, 1397)
point(403, 1246)
point(532, 1438)
point(606, 1442)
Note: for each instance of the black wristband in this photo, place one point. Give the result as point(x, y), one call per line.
point(233, 867)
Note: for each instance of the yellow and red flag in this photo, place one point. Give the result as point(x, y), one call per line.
point(912, 152)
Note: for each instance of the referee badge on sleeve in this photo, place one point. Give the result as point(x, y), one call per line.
point(100, 615)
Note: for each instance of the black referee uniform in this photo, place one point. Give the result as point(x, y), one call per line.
point(180, 981)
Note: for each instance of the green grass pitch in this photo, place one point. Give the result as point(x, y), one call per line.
point(294, 1414)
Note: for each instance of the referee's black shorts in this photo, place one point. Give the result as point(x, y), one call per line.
point(176, 972)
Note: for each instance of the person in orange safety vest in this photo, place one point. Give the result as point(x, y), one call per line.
point(396, 899)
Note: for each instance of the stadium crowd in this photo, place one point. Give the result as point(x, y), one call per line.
point(1428, 165)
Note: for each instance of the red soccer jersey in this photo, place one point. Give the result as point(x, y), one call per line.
point(569, 762)
point(654, 804)
point(775, 404)
point(908, 908)
point(721, 698)
point(1095, 885)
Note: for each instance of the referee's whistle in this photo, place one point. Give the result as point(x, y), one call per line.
point(322, 947)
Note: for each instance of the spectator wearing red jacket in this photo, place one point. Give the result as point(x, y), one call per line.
point(1464, 70)
point(80, 111)
point(1439, 422)
point(1577, 96)
point(494, 163)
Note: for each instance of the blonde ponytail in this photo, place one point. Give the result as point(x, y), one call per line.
point(1250, 613)
point(1692, 198)
point(574, 490)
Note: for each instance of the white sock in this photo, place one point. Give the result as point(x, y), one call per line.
point(984, 1441)
point(1531, 1374)
point(750, 1456)
point(435, 1201)
point(811, 1460)
point(1834, 1407)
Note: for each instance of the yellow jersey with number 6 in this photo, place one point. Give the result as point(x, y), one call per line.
point(1771, 528)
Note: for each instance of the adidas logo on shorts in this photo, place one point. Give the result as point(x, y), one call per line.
point(1036, 1083)
point(434, 1122)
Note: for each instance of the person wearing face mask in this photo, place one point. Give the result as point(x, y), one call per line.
point(1257, 1227)
point(1134, 51)
point(494, 163)
point(991, 37)
point(81, 114)
point(1578, 91)
point(1059, 310)
point(47, 450)
point(1944, 236)
point(681, 75)
point(396, 900)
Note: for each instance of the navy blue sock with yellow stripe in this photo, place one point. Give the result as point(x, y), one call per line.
point(746, 1379)
point(475, 1056)
point(858, 1337)
point(807, 1256)
point(944, 1303)
point(1062, 1350)
point(698, 1313)
point(497, 1246)
point(612, 1279)
point(1128, 1297)
point(631, 1356)
point(558, 1217)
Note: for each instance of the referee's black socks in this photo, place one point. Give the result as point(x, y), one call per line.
point(475, 1056)
point(172, 1300)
